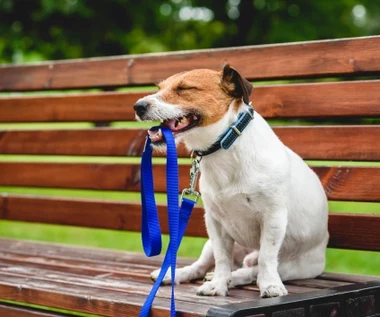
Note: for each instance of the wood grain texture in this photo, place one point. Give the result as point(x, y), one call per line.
point(126, 284)
point(112, 270)
point(356, 143)
point(111, 273)
point(355, 231)
point(350, 183)
point(317, 100)
point(86, 299)
point(114, 261)
point(347, 231)
point(340, 183)
point(352, 278)
point(303, 59)
point(88, 213)
point(95, 107)
point(8, 310)
point(107, 282)
point(317, 142)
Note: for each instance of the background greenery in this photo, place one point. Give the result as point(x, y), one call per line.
point(49, 29)
point(34, 30)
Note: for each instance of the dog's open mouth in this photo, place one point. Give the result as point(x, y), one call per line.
point(176, 125)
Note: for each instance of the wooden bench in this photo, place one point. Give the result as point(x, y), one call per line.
point(114, 283)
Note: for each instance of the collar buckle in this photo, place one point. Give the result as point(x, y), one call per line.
point(233, 127)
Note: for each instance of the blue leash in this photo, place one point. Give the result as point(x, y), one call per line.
point(178, 217)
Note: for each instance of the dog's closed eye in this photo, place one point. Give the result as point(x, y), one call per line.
point(181, 88)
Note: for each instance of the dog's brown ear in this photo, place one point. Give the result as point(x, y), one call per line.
point(235, 84)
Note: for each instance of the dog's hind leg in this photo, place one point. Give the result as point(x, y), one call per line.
point(244, 276)
point(191, 272)
point(308, 264)
point(248, 273)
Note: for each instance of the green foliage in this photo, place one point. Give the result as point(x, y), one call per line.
point(33, 30)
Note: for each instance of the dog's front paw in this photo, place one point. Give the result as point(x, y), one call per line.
point(273, 290)
point(182, 275)
point(212, 288)
point(270, 285)
point(166, 280)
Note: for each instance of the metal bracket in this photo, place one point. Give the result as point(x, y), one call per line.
point(194, 173)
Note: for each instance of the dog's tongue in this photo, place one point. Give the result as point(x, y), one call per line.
point(176, 125)
point(155, 135)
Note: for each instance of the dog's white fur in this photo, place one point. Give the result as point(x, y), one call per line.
point(265, 209)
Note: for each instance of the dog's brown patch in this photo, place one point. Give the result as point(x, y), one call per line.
point(200, 91)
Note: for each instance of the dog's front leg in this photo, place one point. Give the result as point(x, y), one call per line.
point(222, 245)
point(272, 235)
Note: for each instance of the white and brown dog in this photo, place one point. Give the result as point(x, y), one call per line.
point(265, 209)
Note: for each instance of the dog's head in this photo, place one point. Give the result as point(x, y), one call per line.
point(197, 106)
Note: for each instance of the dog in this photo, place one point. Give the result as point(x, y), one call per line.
point(265, 210)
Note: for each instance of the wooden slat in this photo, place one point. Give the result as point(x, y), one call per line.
point(357, 143)
point(69, 254)
point(121, 276)
point(318, 142)
point(341, 99)
point(113, 260)
point(317, 283)
point(8, 310)
point(347, 231)
point(319, 100)
point(107, 106)
point(104, 266)
point(98, 141)
point(354, 231)
point(109, 267)
point(350, 183)
point(74, 175)
point(318, 58)
point(127, 285)
point(340, 183)
point(85, 299)
point(351, 278)
point(138, 273)
point(88, 213)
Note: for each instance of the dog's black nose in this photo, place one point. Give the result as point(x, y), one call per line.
point(141, 107)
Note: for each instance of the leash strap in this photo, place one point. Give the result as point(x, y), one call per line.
point(178, 218)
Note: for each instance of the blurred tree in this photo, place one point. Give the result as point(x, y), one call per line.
point(49, 29)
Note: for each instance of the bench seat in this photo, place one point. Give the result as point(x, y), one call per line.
point(111, 283)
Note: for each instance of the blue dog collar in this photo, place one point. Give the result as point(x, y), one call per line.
point(232, 133)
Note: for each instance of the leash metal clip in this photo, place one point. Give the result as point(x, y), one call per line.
point(194, 172)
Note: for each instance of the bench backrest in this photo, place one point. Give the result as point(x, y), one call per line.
point(330, 121)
